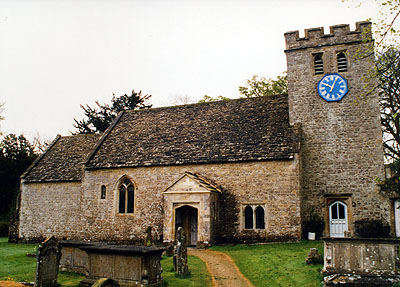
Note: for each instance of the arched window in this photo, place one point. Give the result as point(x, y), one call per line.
point(103, 192)
point(341, 62)
point(126, 196)
point(260, 223)
point(318, 64)
point(338, 219)
point(248, 217)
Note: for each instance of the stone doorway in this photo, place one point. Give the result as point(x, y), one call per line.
point(187, 218)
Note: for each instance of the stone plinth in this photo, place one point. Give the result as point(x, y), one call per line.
point(126, 264)
point(74, 259)
point(357, 262)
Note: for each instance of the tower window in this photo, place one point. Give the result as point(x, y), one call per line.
point(103, 192)
point(341, 62)
point(318, 64)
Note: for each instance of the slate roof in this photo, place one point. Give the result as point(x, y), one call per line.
point(224, 131)
point(63, 160)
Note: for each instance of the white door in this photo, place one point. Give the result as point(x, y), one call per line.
point(193, 229)
point(337, 219)
point(397, 217)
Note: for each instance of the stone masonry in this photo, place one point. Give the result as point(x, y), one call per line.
point(80, 213)
point(341, 142)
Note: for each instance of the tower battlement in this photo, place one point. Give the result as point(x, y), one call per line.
point(339, 34)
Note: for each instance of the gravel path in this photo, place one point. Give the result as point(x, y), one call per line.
point(223, 270)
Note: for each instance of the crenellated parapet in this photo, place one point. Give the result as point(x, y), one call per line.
point(339, 34)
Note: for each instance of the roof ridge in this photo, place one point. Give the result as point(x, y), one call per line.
point(36, 161)
point(81, 135)
point(206, 103)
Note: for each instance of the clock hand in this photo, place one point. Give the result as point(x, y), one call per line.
point(333, 85)
point(327, 85)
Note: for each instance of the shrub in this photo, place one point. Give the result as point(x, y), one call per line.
point(4, 225)
point(316, 224)
point(366, 228)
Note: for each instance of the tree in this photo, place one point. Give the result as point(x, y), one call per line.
point(388, 86)
point(388, 80)
point(261, 87)
point(208, 99)
point(16, 154)
point(99, 118)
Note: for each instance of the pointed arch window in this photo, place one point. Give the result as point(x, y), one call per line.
point(341, 62)
point(126, 192)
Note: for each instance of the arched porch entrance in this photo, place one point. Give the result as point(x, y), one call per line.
point(187, 218)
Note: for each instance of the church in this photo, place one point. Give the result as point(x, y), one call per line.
point(243, 170)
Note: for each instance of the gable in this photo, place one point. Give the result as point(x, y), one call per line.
point(193, 183)
point(226, 131)
point(63, 160)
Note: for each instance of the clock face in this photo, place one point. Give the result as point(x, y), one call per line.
point(332, 87)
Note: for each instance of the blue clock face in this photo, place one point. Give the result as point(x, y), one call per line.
point(332, 87)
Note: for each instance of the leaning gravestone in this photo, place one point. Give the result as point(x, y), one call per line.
point(48, 258)
point(180, 257)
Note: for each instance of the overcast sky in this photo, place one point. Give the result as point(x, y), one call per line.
point(56, 55)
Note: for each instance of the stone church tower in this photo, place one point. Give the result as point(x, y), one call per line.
point(341, 138)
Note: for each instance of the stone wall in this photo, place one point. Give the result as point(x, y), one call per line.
point(341, 143)
point(76, 211)
point(51, 209)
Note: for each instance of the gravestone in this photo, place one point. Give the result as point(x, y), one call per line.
point(105, 282)
point(148, 240)
point(48, 258)
point(314, 257)
point(180, 257)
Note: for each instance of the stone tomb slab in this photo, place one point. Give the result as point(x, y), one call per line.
point(127, 264)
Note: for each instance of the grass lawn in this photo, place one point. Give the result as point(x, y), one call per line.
point(199, 276)
point(16, 266)
point(276, 264)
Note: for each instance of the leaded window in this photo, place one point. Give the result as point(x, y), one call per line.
point(126, 197)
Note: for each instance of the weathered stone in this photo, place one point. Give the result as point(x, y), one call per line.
point(76, 211)
point(180, 257)
point(341, 153)
point(128, 264)
point(48, 258)
point(314, 257)
point(371, 257)
point(74, 259)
